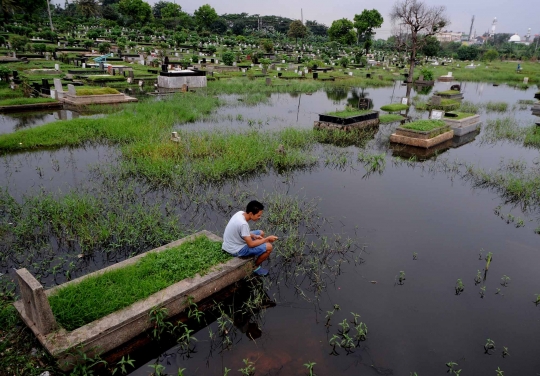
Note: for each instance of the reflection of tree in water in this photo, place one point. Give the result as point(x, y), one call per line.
point(24, 120)
point(336, 94)
point(423, 90)
point(360, 95)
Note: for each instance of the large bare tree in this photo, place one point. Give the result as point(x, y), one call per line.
point(413, 21)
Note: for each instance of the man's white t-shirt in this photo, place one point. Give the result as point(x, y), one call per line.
point(236, 230)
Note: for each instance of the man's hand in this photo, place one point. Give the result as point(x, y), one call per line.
point(272, 238)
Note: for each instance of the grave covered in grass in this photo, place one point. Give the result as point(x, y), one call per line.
point(422, 133)
point(348, 118)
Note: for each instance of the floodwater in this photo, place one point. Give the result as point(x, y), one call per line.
point(417, 326)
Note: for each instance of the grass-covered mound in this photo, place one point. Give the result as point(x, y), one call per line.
point(97, 296)
point(446, 105)
point(390, 118)
point(460, 115)
point(349, 112)
point(96, 90)
point(395, 107)
point(424, 125)
point(449, 92)
point(21, 101)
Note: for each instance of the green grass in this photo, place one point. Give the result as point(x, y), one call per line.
point(533, 137)
point(105, 78)
point(21, 101)
point(97, 296)
point(449, 92)
point(395, 107)
point(96, 91)
point(390, 118)
point(469, 107)
point(446, 105)
point(496, 106)
point(348, 112)
point(460, 115)
point(424, 125)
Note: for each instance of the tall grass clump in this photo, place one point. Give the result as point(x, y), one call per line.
point(97, 296)
point(507, 128)
point(496, 106)
point(469, 107)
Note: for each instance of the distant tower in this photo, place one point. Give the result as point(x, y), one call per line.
point(470, 30)
point(528, 36)
point(493, 27)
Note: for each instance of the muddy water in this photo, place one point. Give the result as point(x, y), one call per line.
point(415, 327)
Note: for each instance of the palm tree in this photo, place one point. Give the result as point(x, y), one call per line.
point(88, 8)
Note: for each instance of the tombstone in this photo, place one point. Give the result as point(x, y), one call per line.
point(110, 69)
point(130, 80)
point(185, 88)
point(141, 83)
point(164, 68)
point(350, 73)
point(268, 81)
point(279, 74)
point(212, 61)
point(58, 87)
point(525, 80)
point(436, 115)
point(436, 100)
point(278, 69)
point(45, 87)
point(166, 60)
point(405, 100)
point(315, 75)
point(84, 65)
point(449, 74)
point(234, 64)
point(37, 309)
point(368, 75)
point(363, 104)
point(101, 66)
point(131, 74)
point(282, 61)
point(176, 54)
point(421, 78)
point(71, 90)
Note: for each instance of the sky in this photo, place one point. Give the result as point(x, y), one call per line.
point(512, 17)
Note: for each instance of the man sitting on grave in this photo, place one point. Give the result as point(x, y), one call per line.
point(239, 241)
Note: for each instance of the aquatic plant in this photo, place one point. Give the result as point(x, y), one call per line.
point(249, 368)
point(504, 280)
point(489, 257)
point(460, 287)
point(489, 346)
point(310, 366)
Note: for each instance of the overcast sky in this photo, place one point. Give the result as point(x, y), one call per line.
point(512, 17)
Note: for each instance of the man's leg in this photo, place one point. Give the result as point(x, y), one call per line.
point(265, 255)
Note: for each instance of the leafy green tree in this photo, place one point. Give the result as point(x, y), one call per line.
point(39, 47)
point(491, 55)
point(297, 30)
point(365, 23)
point(467, 52)
point(228, 58)
point(92, 34)
point(341, 31)
point(219, 26)
point(88, 8)
point(431, 47)
point(18, 42)
point(104, 48)
point(239, 28)
point(205, 16)
point(317, 29)
point(138, 10)
point(171, 10)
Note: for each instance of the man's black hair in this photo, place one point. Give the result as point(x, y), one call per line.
point(254, 207)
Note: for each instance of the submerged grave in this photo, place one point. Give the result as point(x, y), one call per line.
point(461, 122)
point(348, 119)
point(113, 330)
point(422, 133)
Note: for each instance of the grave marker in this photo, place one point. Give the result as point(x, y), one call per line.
point(437, 115)
point(71, 90)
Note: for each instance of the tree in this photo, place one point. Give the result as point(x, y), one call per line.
point(18, 42)
point(219, 26)
point(317, 29)
point(297, 30)
point(238, 28)
point(467, 52)
point(138, 10)
point(228, 58)
point(414, 21)
point(342, 31)
point(171, 10)
point(87, 8)
point(365, 23)
point(205, 16)
point(491, 55)
point(432, 46)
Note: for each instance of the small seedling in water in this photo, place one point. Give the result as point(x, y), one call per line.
point(356, 316)
point(401, 277)
point(459, 287)
point(505, 279)
point(249, 368)
point(489, 257)
point(226, 371)
point(451, 366)
point(490, 345)
point(328, 317)
point(310, 366)
point(336, 307)
point(413, 374)
point(537, 301)
point(158, 369)
point(498, 291)
point(499, 372)
point(181, 371)
point(482, 291)
point(480, 256)
point(122, 365)
point(505, 352)
point(415, 257)
point(478, 277)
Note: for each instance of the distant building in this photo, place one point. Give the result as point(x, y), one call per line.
point(526, 40)
point(448, 36)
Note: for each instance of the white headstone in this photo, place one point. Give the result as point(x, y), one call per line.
point(84, 65)
point(58, 85)
point(71, 90)
point(449, 74)
point(525, 80)
point(56, 67)
point(282, 61)
point(437, 115)
point(404, 100)
point(350, 73)
point(53, 94)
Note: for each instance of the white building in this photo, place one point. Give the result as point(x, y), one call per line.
point(448, 36)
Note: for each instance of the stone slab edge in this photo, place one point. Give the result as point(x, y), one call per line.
point(117, 328)
point(462, 122)
point(398, 139)
point(466, 129)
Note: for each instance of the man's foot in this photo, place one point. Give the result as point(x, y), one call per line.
point(260, 271)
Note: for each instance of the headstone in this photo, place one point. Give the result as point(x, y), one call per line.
point(45, 87)
point(164, 68)
point(437, 115)
point(449, 74)
point(84, 65)
point(71, 90)
point(525, 80)
point(58, 85)
point(435, 100)
point(421, 78)
point(185, 88)
point(268, 81)
point(110, 69)
point(404, 100)
point(131, 74)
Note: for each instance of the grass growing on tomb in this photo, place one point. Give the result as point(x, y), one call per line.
point(97, 296)
point(22, 101)
point(395, 107)
point(424, 125)
point(96, 91)
point(449, 92)
point(390, 118)
point(349, 112)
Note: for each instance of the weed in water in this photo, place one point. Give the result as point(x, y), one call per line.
point(122, 365)
point(499, 372)
point(478, 278)
point(451, 366)
point(498, 291)
point(226, 371)
point(460, 287)
point(249, 368)
point(537, 300)
point(310, 366)
point(157, 316)
point(489, 257)
point(401, 277)
point(158, 369)
point(482, 291)
point(415, 256)
point(504, 280)
point(328, 317)
point(505, 352)
point(496, 106)
point(181, 371)
point(489, 346)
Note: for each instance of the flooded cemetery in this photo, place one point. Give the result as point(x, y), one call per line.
point(402, 182)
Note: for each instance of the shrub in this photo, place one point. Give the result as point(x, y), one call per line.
point(228, 58)
point(195, 58)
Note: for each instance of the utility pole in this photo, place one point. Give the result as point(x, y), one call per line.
point(470, 30)
point(50, 17)
point(302, 15)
